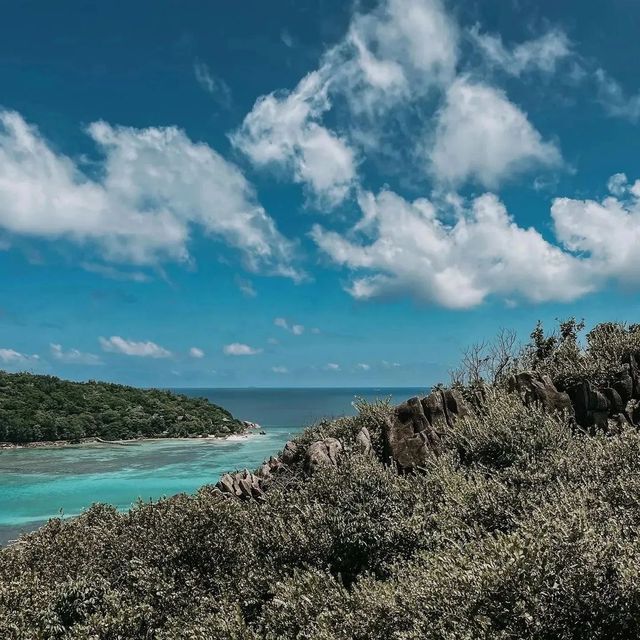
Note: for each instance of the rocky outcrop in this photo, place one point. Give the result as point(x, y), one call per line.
point(243, 485)
point(534, 387)
point(413, 431)
point(606, 408)
point(322, 453)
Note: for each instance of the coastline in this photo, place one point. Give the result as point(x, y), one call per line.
point(250, 429)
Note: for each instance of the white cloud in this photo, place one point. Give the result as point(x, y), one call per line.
point(607, 232)
point(155, 185)
point(239, 349)
point(283, 130)
point(10, 356)
point(73, 356)
point(332, 366)
point(402, 247)
point(214, 86)
point(295, 329)
point(195, 352)
point(363, 366)
point(482, 136)
point(617, 184)
point(116, 344)
point(279, 369)
point(398, 51)
point(542, 53)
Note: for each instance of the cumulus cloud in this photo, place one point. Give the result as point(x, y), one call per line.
point(482, 136)
point(283, 323)
point(73, 356)
point(239, 349)
point(279, 369)
point(11, 356)
point(116, 344)
point(332, 366)
point(399, 51)
point(283, 129)
point(413, 248)
point(154, 187)
point(606, 232)
point(542, 53)
point(391, 71)
point(363, 366)
point(195, 352)
point(402, 48)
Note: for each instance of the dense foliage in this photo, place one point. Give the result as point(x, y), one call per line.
point(35, 408)
point(522, 528)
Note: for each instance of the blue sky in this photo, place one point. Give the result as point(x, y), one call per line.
point(312, 192)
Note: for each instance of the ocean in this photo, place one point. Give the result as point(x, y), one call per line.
point(41, 483)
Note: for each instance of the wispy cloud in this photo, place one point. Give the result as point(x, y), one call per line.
point(116, 344)
point(212, 84)
point(246, 287)
point(279, 369)
point(73, 356)
point(195, 352)
point(283, 323)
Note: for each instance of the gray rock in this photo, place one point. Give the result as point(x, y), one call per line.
point(534, 387)
point(363, 442)
point(289, 453)
point(409, 437)
point(322, 453)
point(243, 485)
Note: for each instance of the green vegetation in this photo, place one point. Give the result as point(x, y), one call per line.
point(523, 527)
point(42, 408)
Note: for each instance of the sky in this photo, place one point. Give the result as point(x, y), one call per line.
point(310, 192)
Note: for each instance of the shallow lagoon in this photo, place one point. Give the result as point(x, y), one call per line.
point(40, 483)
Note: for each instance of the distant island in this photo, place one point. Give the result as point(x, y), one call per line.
point(37, 408)
point(505, 506)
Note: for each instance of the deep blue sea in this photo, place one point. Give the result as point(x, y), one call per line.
point(37, 484)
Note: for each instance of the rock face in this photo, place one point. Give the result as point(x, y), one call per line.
point(322, 453)
point(412, 432)
point(534, 387)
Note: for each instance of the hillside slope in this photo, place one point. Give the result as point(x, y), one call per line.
point(502, 509)
point(37, 408)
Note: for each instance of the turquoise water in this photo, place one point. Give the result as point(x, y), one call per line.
point(37, 484)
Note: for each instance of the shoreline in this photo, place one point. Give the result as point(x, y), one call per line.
point(250, 429)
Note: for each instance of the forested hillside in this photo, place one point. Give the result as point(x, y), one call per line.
point(34, 408)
